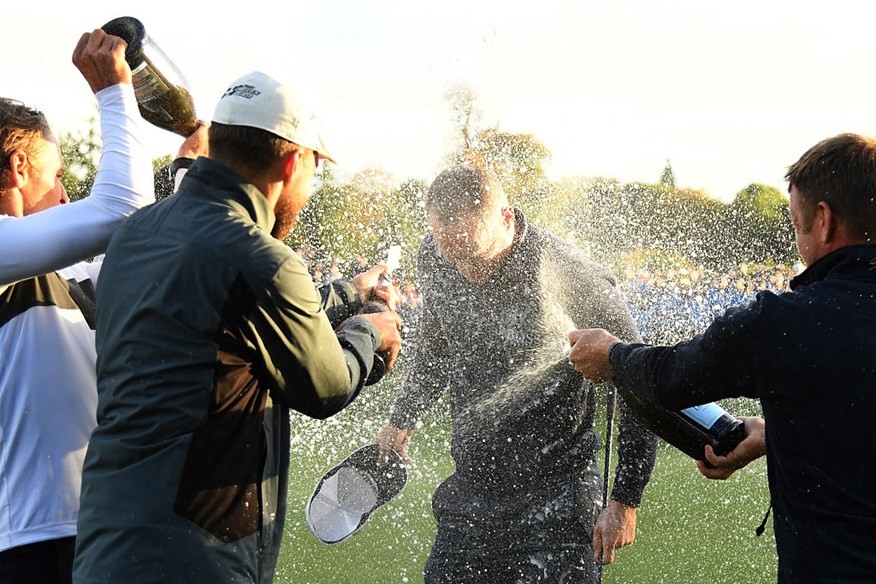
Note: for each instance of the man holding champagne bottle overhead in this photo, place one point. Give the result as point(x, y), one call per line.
point(47, 379)
point(162, 92)
point(808, 355)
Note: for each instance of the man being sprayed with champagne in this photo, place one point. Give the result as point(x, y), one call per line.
point(499, 296)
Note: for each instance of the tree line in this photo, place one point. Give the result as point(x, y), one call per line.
point(625, 225)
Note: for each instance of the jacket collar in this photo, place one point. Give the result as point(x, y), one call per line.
point(521, 229)
point(221, 179)
point(513, 263)
point(852, 259)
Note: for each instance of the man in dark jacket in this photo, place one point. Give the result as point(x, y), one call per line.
point(808, 354)
point(499, 297)
point(209, 330)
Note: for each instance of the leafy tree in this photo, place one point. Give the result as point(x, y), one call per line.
point(161, 162)
point(688, 218)
point(319, 216)
point(516, 158)
point(667, 179)
point(465, 117)
point(617, 223)
point(80, 152)
point(364, 217)
point(758, 227)
point(611, 220)
point(673, 225)
point(404, 224)
point(759, 200)
point(567, 210)
point(602, 216)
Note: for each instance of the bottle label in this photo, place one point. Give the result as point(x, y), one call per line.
point(152, 95)
point(147, 85)
point(705, 415)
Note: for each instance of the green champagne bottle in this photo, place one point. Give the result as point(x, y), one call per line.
point(162, 92)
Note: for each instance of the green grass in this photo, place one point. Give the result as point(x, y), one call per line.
point(690, 529)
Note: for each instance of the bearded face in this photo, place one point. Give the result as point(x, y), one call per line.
point(295, 194)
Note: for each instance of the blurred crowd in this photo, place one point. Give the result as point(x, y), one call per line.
point(669, 305)
point(675, 304)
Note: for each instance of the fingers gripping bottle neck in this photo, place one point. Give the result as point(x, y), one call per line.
point(376, 304)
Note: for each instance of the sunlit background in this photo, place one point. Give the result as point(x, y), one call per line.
point(730, 93)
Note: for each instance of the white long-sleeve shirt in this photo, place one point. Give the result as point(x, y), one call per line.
point(63, 235)
point(48, 390)
point(48, 400)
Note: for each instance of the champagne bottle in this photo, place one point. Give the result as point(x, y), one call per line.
point(162, 92)
point(690, 429)
point(376, 304)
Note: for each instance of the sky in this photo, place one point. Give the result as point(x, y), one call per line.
point(728, 93)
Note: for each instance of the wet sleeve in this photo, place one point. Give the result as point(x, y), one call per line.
point(637, 446)
point(162, 182)
point(167, 179)
point(637, 453)
point(340, 300)
point(428, 376)
point(63, 235)
point(317, 370)
point(714, 365)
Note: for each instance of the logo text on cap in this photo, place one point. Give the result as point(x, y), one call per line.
point(243, 90)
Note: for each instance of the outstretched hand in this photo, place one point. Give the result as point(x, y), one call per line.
point(370, 285)
point(589, 353)
point(101, 60)
point(388, 325)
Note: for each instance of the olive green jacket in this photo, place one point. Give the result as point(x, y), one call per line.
point(208, 330)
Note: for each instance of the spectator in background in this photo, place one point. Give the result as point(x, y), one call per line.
point(673, 305)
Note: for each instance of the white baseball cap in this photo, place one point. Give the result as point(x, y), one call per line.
point(257, 100)
point(348, 494)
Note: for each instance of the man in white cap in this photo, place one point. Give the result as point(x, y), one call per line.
point(209, 330)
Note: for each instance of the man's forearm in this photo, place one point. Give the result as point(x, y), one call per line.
point(63, 235)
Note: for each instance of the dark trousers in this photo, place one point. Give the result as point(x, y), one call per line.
point(42, 562)
point(542, 535)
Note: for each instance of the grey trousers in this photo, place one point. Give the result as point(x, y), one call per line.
point(538, 535)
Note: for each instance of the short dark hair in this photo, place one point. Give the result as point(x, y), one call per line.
point(20, 128)
point(246, 148)
point(840, 171)
point(462, 191)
